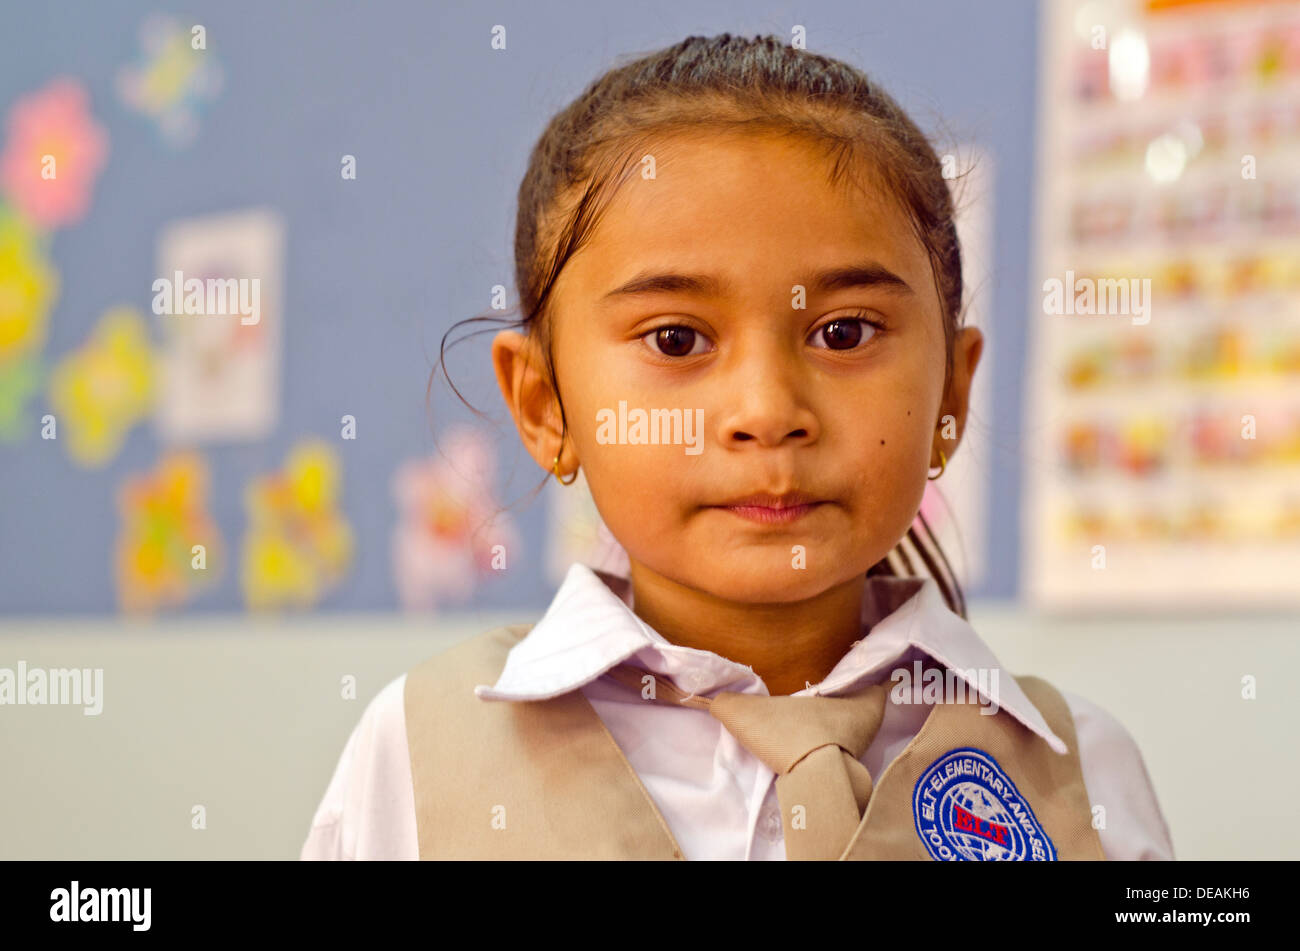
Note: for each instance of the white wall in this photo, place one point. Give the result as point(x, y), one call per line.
point(244, 716)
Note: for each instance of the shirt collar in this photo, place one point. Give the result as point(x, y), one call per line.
point(590, 627)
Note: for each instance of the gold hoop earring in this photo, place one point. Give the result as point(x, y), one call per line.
point(943, 464)
point(555, 467)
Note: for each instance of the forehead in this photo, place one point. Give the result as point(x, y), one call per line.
point(754, 208)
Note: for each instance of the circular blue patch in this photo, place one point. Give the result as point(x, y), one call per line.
point(968, 810)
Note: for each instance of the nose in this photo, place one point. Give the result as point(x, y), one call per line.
point(767, 405)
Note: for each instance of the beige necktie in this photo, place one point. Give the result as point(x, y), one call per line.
point(813, 744)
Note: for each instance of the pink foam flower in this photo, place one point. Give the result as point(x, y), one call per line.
point(54, 150)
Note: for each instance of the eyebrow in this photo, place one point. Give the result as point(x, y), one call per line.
point(869, 274)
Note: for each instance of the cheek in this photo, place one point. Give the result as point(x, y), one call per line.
point(886, 456)
point(643, 479)
point(893, 417)
point(638, 489)
point(892, 476)
point(885, 426)
point(637, 498)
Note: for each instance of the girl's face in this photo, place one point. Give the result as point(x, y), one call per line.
point(797, 321)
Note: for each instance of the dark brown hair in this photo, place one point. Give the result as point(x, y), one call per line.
point(710, 84)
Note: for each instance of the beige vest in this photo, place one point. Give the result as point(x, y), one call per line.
point(545, 779)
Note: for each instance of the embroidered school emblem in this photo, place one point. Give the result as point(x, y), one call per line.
point(968, 810)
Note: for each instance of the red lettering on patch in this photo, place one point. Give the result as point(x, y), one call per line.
point(964, 821)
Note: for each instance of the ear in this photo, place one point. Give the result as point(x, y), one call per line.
point(967, 349)
point(531, 398)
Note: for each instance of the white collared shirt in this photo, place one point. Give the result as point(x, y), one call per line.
point(718, 799)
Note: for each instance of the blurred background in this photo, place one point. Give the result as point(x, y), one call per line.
point(235, 517)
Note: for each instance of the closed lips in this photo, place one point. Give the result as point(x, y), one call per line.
point(769, 501)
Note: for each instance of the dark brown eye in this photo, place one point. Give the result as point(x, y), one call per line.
point(843, 334)
point(675, 341)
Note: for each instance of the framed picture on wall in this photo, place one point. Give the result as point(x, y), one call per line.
point(218, 295)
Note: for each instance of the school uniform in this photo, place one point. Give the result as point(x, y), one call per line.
point(528, 742)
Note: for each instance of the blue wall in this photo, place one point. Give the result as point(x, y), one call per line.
point(378, 268)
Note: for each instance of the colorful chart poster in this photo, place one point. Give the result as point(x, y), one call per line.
point(218, 297)
point(1162, 444)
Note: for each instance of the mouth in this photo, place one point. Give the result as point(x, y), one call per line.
point(767, 508)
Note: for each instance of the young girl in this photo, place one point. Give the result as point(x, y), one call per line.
point(741, 288)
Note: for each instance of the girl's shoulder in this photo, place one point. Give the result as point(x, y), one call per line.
point(446, 678)
point(1118, 781)
point(365, 813)
point(480, 655)
point(368, 810)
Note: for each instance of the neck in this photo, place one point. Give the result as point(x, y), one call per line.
point(789, 645)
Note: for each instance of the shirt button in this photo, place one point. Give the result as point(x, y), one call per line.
point(769, 825)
